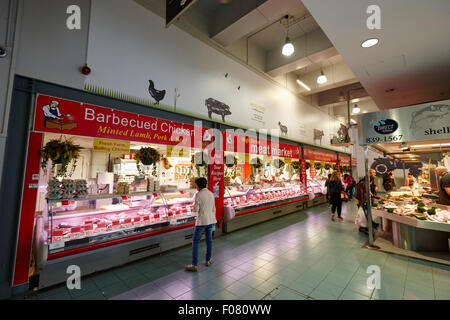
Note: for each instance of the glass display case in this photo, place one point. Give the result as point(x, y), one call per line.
point(74, 223)
point(315, 185)
point(247, 196)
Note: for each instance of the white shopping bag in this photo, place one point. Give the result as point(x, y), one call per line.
point(361, 220)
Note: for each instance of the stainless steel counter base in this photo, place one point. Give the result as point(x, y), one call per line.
point(413, 234)
point(416, 239)
point(54, 271)
point(263, 215)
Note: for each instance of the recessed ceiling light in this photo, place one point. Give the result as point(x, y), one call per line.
point(303, 85)
point(356, 109)
point(369, 43)
point(355, 100)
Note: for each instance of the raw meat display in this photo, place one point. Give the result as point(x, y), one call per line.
point(257, 195)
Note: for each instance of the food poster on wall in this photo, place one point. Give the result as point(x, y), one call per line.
point(257, 114)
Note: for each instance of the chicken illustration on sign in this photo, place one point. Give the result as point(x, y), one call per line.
point(158, 95)
point(215, 106)
point(283, 129)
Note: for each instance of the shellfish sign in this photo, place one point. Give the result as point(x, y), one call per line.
point(427, 121)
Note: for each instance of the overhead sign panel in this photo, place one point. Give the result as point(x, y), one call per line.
point(427, 121)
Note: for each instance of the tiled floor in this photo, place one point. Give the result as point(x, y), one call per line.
point(302, 256)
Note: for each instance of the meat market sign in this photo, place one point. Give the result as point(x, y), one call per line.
point(428, 121)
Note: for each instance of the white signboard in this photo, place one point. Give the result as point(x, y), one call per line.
point(428, 121)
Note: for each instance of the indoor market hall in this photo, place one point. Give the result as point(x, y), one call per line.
point(231, 156)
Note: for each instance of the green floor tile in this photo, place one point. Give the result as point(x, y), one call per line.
point(87, 286)
point(93, 295)
point(114, 290)
point(105, 279)
point(352, 295)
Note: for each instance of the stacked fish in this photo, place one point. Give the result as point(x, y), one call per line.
point(81, 191)
point(54, 190)
point(67, 189)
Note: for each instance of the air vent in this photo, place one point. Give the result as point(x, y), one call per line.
point(143, 249)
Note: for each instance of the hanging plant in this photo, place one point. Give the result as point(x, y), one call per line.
point(256, 163)
point(147, 156)
point(296, 165)
point(327, 166)
point(199, 160)
point(335, 167)
point(60, 152)
point(278, 163)
point(230, 161)
point(317, 165)
point(307, 165)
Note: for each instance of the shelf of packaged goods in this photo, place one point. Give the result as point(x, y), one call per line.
point(117, 195)
point(414, 222)
point(94, 246)
point(267, 205)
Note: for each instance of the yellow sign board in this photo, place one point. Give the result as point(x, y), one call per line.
point(177, 151)
point(111, 146)
point(287, 160)
point(267, 159)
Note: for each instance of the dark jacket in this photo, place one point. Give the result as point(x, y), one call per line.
point(335, 186)
point(360, 192)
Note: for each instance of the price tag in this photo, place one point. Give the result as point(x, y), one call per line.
point(33, 186)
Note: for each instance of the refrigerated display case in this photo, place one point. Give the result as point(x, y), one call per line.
point(251, 204)
point(69, 226)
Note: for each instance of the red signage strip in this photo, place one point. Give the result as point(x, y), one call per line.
point(318, 155)
point(252, 145)
point(26, 222)
point(344, 160)
point(80, 119)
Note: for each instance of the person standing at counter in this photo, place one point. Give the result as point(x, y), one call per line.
point(388, 180)
point(206, 219)
point(444, 185)
point(334, 188)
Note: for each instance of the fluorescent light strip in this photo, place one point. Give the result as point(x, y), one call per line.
point(431, 145)
point(303, 85)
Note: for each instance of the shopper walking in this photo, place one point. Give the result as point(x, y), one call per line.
point(350, 183)
point(335, 187)
point(361, 201)
point(328, 188)
point(205, 223)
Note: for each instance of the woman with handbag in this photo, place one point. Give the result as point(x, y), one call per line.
point(334, 189)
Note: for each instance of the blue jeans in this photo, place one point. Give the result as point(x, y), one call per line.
point(196, 239)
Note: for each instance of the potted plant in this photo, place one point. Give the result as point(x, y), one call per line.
point(61, 152)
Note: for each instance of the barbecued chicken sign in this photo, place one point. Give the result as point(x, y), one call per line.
point(428, 121)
